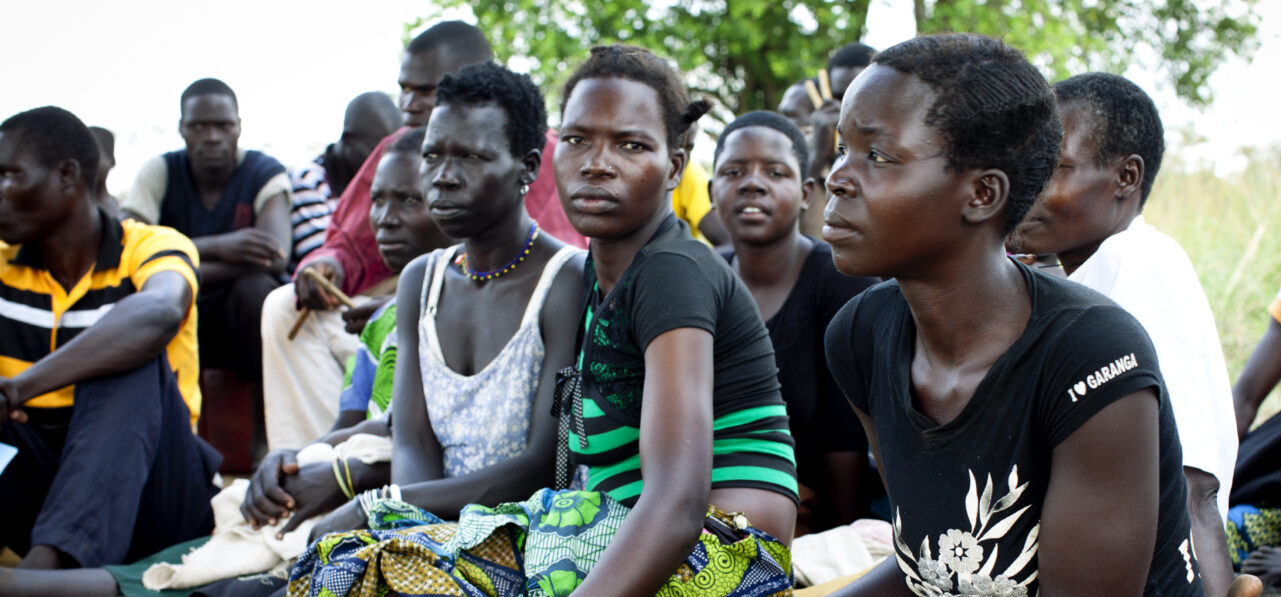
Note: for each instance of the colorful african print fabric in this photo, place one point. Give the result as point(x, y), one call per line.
point(1250, 528)
point(542, 547)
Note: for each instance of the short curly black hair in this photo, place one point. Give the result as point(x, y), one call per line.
point(772, 120)
point(515, 94)
point(207, 86)
point(638, 64)
point(993, 108)
point(53, 135)
point(1126, 120)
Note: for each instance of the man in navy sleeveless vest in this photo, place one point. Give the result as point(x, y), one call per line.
point(234, 205)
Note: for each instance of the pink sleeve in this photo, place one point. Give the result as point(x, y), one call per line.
point(349, 239)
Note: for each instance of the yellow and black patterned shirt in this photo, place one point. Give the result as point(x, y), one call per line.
point(37, 315)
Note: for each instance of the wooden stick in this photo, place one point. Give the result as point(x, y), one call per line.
point(824, 84)
point(329, 287)
point(812, 90)
point(293, 331)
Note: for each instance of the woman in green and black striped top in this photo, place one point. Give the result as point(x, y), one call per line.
point(680, 403)
point(674, 282)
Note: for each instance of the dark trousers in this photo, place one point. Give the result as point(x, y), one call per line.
point(230, 328)
point(117, 476)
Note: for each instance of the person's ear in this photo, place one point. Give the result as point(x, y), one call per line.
point(807, 193)
point(678, 160)
point(68, 174)
point(989, 192)
point(530, 163)
point(1129, 177)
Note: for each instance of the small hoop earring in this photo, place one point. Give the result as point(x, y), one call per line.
point(524, 189)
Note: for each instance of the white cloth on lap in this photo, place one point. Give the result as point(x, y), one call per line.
point(238, 549)
point(836, 553)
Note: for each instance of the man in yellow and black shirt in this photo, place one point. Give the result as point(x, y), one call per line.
point(98, 362)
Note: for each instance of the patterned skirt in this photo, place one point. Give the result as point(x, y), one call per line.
point(544, 546)
point(1250, 528)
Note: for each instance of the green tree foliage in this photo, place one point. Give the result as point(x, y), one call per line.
point(745, 53)
point(1185, 39)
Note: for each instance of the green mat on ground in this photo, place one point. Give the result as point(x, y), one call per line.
point(129, 576)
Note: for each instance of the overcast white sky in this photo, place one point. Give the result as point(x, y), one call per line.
point(295, 65)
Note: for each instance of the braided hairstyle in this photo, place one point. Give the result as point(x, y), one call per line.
point(993, 108)
point(1124, 121)
point(639, 64)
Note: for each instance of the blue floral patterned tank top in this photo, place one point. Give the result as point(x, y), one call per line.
point(482, 419)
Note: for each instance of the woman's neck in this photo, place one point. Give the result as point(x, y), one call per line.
point(497, 245)
point(969, 313)
point(774, 264)
point(612, 257)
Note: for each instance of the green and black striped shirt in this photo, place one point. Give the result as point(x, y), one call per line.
point(675, 282)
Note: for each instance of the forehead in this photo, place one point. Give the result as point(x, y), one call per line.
point(397, 169)
point(614, 104)
point(1079, 126)
point(429, 67)
point(210, 107)
point(478, 125)
point(892, 103)
point(13, 151)
point(758, 143)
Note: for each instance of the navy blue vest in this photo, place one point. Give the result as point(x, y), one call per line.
point(182, 210)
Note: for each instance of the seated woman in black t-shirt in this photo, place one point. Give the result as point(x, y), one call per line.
point(759, 188)
point(1020, 421)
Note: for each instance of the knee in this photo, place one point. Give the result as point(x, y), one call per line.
point(250, 291)
point(278, 310)
point(131, 395)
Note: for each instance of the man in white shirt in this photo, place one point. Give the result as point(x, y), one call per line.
point(1088, 215)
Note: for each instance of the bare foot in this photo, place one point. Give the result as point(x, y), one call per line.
point(1264, 563)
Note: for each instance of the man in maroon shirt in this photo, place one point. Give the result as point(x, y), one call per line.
point(306, 372)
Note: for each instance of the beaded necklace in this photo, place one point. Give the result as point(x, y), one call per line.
point(461, 260)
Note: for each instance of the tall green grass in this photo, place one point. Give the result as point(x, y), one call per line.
point(1230, 226)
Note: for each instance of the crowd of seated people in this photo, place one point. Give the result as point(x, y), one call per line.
point(497, 358)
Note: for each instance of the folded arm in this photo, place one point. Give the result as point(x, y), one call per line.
point(132, 333)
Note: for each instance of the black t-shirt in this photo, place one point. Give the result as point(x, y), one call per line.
point(821, 419)
point(967, 494)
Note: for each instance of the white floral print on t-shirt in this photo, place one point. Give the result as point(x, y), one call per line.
point(966, 560)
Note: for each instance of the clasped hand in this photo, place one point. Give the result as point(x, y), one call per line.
point(281, 488)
